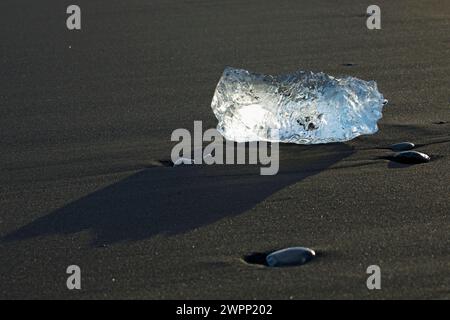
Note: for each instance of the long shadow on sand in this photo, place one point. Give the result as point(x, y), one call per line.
point(164, 200)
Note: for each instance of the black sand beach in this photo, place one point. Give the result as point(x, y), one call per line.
point(87, 115)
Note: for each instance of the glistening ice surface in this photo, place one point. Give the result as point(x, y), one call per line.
point(302, 107)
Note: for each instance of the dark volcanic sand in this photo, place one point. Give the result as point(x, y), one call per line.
point(86, 115)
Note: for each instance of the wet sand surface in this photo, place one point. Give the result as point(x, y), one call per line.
point(87, 115)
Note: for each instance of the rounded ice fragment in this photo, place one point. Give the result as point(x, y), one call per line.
point(402, 146)
point(182, 160)
point(290, 257)
point(411, 157)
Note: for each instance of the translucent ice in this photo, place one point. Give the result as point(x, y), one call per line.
point(302, 107)
point(182, 160)
point(290, 257)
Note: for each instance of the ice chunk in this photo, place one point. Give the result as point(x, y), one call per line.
point(302, 107)
point(411, 157)
point(182, 160)
point(403, 146)
point(290, 257)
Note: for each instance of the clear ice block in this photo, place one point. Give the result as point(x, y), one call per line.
point(302, 107)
